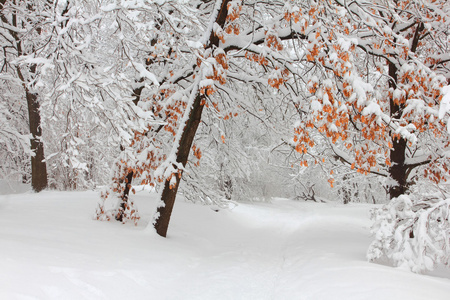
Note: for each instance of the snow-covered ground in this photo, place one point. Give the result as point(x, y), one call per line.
point(51, 248)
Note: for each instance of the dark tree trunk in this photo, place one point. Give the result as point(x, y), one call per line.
point(398, 169)
point(38, 165)
point(39, 179)
point(169, 193)
point(190, 128)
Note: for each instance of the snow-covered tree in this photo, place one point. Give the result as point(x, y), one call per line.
point(90, 97)
point(378, 76)
point(23, 36)
point(377, 72)
point(76, 77)
point(151, 47)
point(14, 142)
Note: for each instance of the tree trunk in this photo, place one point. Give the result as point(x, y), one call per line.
point(398, 169)
point(129, 178)
point(38, 165)
point(126, 193)
point(190, 128)
point(39, 179)
point(169, 193)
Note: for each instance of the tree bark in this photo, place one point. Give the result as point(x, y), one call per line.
point(39, 179)
point(126, 193)
point(398, 169)
point(169, 192)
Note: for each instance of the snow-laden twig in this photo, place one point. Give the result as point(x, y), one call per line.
point(412, 232)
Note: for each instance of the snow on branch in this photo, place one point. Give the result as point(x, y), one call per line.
point(143, 72)
point(412, 233)
point(444, 107)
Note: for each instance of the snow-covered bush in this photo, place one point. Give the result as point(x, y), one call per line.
point(412, 232)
